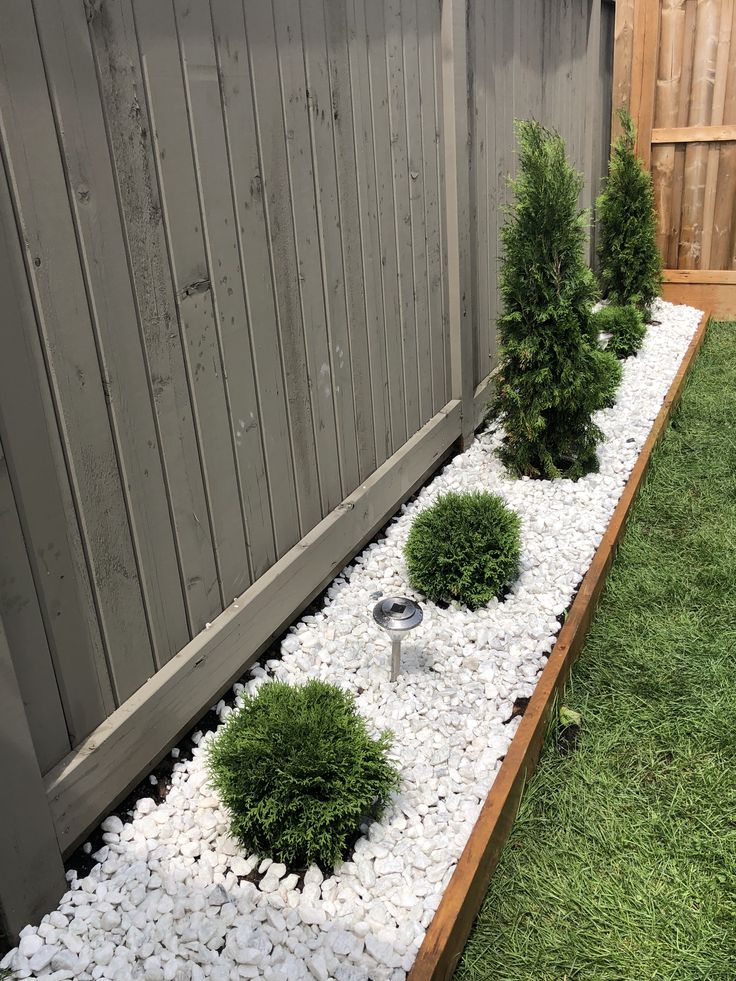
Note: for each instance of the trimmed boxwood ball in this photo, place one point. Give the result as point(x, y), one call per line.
point(626, 326)
point(298, 773)
point(464, 547)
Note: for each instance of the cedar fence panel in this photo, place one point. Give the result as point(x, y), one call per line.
point(249, 269)
point(676, 70)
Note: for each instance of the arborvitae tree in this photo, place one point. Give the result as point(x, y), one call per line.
point(630, 264)
point(553, 374)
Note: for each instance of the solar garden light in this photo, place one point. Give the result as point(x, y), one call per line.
point(397, 615)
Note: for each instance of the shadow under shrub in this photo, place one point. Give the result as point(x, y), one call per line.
point(298, 773)
point(464, 547)
point(626, 326)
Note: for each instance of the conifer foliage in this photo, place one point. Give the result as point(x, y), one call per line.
point(553, 375)
point(298, 773)
point(630, 264)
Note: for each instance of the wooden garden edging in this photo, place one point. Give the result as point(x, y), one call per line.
point(451, 925)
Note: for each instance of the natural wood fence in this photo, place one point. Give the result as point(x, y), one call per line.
point(675, 66)
point(248, 263)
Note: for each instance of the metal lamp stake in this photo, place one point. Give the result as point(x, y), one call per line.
point(397, 615)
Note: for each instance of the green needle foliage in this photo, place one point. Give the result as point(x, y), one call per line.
point(626, 327)
point(298, 773)
point(621, 863)
point(552, 376)
point(630, 264)
point(464, 547)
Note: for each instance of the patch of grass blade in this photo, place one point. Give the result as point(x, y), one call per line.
point(622, 864)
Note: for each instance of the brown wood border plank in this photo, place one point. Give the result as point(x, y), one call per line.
point(449, 930)
point(718, 298)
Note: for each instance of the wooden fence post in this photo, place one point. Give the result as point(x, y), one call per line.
point(31, 871)
point(457, 205)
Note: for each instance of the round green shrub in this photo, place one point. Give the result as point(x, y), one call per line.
point(608, 377)
point(464, 547)
point(298, 773)
point(626, 326)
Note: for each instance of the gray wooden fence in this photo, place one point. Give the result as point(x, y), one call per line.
point(248, 260)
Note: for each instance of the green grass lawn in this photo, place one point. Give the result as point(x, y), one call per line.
point(622, 864)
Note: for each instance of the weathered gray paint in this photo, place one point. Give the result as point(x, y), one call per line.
point(248, 261)
point(543, 59)
point(32, 879)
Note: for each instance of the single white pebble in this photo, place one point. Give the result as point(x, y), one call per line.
point(153, 780)
point(87, 847)
point(175, 752)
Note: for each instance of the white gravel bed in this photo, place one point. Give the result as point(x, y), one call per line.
point(166, 900)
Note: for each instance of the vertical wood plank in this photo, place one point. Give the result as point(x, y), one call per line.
point(716, 118)
point(456, 148)
point(77, 107)
point(622, 61)
point(320, 113)
point(290, 56)
point(381, 135)
point(696, 154)
point(477, 186)
point(189, 254)
point(723, 218)
point(400, 189)
point(669, 74)
point(40, 197)
point(427, 31)
point(266, 82)
point(350, 111)
point(490, 178)
point(643, 74)
point(591, 110)
point(129, 135)
point(21, 615)
point(416, 200)
point(33, 874)
point(686, 56)
point(219, 223)
point(245, 170)
point(37, 469)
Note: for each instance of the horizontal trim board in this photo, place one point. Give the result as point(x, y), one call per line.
point(693, 134)
point(718, 298)
point(715, 276)
point(101, 770)
point(444, 941)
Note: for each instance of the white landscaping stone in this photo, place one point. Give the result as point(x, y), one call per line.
point(172, 887)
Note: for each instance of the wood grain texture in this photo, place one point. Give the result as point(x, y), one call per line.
point(693, 134)
point(43, 497)
point(26, 636)
point(444, 941)
point(33, 880)
point(719, 298)
point(714, 276)
point(69, 64)
point(43, 202)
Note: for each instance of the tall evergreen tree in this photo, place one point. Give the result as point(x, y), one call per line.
point(630, 264)
point(553, 374)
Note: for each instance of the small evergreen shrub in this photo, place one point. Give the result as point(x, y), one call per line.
point(464, 547)
point(551, 375)
point(298, 773)
point(630, 264)
point(608, 377)
point(626, 327)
